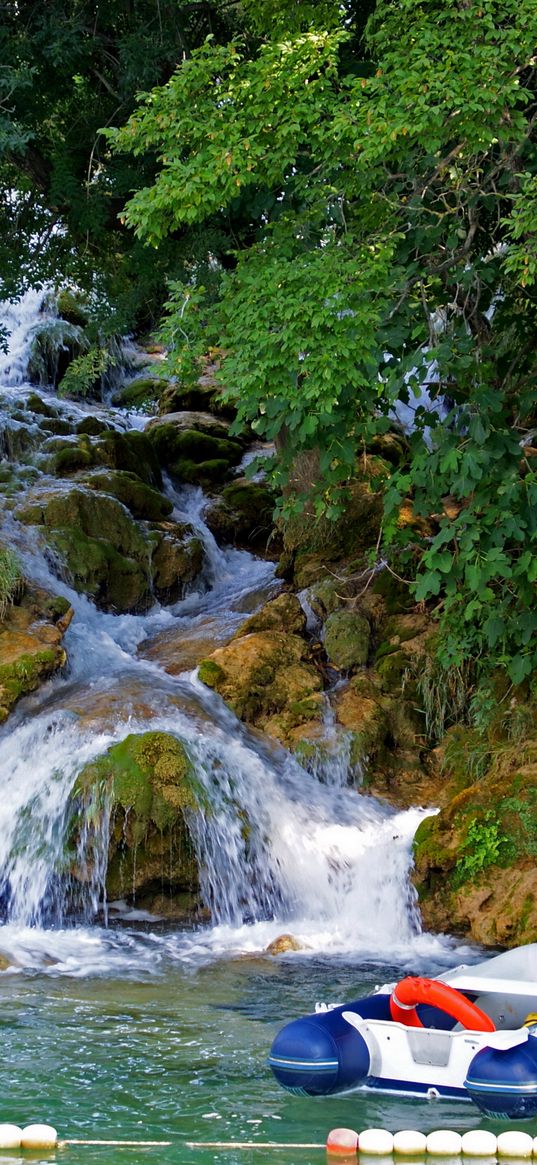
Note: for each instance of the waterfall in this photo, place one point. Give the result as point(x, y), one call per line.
point(283, 847)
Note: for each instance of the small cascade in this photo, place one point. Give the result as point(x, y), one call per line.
point(280, 846)
point(20, 319)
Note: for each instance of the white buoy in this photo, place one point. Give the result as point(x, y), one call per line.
point(444, 1143)
point(10, 1137)
point(376, 1142)
point(479, 1143)
point(39, 1137)
point(409, 1143)
point(514, 1144)
point(342, 1143)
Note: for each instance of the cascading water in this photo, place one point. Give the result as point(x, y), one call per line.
point(280, 848)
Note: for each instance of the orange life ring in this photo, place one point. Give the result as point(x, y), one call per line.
point(411, 991)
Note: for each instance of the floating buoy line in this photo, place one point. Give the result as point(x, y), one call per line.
point(341, 1143)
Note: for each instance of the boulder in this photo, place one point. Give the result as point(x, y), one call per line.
point(176, 561)
point(268, 680)
point(147, 781)
point(242, 515)
point(103, 551)
point(285, 943)
point(192, 455)
point(347, 636)
point(284, 613)
point(141, 393)
point(31, 650)
point(140, 499)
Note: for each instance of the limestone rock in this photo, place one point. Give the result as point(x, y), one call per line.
point(242, 515)
point(283, 944)
point(31, 644)
point(284, 613)
point(267, 679)
point(346, 639)
point(193, 455)
point(149, 780)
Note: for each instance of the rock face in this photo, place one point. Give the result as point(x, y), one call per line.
point(475, 862)
point(147, 780)
point(266, 674)
point(31, 644)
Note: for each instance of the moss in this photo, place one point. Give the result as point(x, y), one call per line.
point(391, 669)
point(346, 639)
point(211, 674)
point(139, 393)
point(70, 460)
point(133, 452)
point(149, 781)
point(25, 673)
point(92, 426)
point(53, 348)
point(142, 500)
point(71, 307)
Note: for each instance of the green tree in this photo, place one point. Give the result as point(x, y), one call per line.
point(391, 245)
point(71, 67)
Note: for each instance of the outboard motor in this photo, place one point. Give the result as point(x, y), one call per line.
point(503, 1082)
point(323, 1053)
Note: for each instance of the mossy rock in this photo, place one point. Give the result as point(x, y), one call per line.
point(54, 346)
point(283, 613)
point(140, 393)
point(242, 515)
point(104, 552)
point(30, 644)
point(72, 458)
point(93, 426)
point(347, 636)
point(475, 861)
point(72, 307)
point(57, 426)
point(176, 561)
point(268, 680)
point(35, 404)
point(149, 782)
point(132, 452)
point(194, 456)
point(142, 500)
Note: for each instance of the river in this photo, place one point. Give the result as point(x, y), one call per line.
point(138, 1029)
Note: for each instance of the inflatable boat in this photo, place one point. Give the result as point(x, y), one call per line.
point(470, 1033)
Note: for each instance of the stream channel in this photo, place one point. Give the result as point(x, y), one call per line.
point(138, 1029)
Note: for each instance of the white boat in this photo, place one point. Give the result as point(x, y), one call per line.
point(470, 1033)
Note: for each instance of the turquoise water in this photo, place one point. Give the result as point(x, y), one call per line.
point(180, 1055)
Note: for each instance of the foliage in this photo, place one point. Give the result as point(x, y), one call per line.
point(85, 373)
point(11, 580)
point(68, 69)
point(391, 251)
point(482, 847)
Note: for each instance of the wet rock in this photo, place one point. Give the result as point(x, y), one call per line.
point(176, 561)
point(242, 515)
point(104, 553)
point(142, 500)
point(268, 680)
point(285, 943)
point(30, 644)
point(149, 782)
point(192, 455)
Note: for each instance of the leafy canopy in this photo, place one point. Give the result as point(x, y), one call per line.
point(385, 211)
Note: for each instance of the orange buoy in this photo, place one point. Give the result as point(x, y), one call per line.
point(413, 990)
point(342, 1143)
